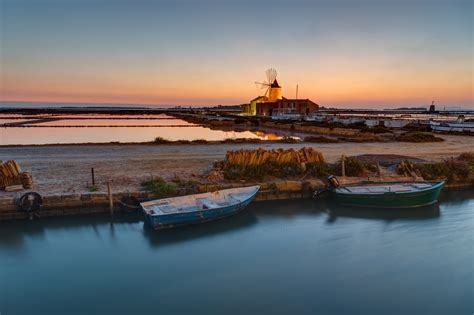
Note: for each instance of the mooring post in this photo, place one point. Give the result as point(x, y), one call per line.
point(111, 201)
point(93, 177)
point(343, 165)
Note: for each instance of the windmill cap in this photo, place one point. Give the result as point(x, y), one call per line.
point(275, 84)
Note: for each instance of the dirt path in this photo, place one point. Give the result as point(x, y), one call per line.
point(58, 169)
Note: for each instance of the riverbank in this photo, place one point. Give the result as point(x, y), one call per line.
point(67, 169)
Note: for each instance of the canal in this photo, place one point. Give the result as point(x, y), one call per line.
point(278, 257)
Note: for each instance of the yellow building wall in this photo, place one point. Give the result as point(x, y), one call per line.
point(274, 94)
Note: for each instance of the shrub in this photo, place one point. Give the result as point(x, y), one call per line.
point(182, 142)
point(200, 141)
point(458, 170)
point(454, 171)
point(468, 157)
point(161, 140)
point(242, 140)
point(93, 188)
point(414, 136)
point(159, 187)
point(320, 139)
point(320, 169)
point(354, 167)
point(375, 129)
point(287, 139)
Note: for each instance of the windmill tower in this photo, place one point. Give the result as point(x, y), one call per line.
point(272, 86)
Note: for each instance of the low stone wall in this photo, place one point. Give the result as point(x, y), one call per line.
point(98, 202)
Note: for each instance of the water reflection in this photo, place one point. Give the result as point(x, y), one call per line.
point(14, 233)
point(389, 215)
point(237, 222)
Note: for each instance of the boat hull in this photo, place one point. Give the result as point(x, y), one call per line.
point(391, 199)
point(187, 218)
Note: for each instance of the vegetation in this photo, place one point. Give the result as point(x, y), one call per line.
point(161, 140)
point(159, 187)
point(415, 136)
point(287, 139)
point(242, 140)
point(200, 141)
point(256, 164)
point(375, 129)
point(459, 170)
point(93, 188)
point(354, 167)
point(320, 139)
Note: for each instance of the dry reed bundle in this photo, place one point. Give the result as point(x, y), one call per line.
point(9, 174)
point(279, 157)
point(246, 164)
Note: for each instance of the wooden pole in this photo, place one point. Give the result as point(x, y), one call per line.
point(343, 165)
point(93, 177)
point(111, 201)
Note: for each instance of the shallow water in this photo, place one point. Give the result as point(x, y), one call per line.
point(108, 128)
point(278, 257)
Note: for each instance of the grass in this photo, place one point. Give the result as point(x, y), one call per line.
point(459, 170)
point(417, 137)
point(159, 187)
point(93, 188)
point(353, 167)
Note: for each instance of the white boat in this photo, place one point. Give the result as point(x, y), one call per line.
point(371, 122)
point(458, 126)
point(452, 127)
point(316, 118)
point(396, 123)
point(287, 116)
point(198, 208)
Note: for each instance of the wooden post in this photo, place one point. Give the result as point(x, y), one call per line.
point(111, 201)
point(378, 170)
point(343, 165)
point(93, 177)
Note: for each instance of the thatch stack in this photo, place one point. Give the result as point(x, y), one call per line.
point(260, 157)
point(11, 175)
point(26, 180)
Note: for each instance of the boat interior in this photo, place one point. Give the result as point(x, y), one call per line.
point(199, 202)
point(386, 188)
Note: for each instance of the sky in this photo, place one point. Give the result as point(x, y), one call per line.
point(344, 53)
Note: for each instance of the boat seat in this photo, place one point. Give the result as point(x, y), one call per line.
point(166, 208)
point(234, 197)
point(204, 204)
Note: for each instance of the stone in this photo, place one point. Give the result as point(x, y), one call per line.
point(314, 184)
point(99, 196)
point(71, 197)
point(293, 185)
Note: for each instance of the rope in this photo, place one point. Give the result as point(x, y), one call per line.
point(127, 205)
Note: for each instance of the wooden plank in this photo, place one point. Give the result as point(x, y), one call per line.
point(14, 188)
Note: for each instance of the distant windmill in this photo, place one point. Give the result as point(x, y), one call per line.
point(273, 89)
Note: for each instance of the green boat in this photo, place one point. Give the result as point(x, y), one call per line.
point(396, 194)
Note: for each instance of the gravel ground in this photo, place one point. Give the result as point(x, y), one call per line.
point(66, 169)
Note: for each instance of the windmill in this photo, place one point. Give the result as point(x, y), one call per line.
point(273, 89)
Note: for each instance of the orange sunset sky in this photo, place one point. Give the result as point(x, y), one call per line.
point(341, 53)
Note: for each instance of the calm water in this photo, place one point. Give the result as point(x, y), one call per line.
point(109, 128)
point(279, 257)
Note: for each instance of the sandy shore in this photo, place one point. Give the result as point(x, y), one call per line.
point(61, 169)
